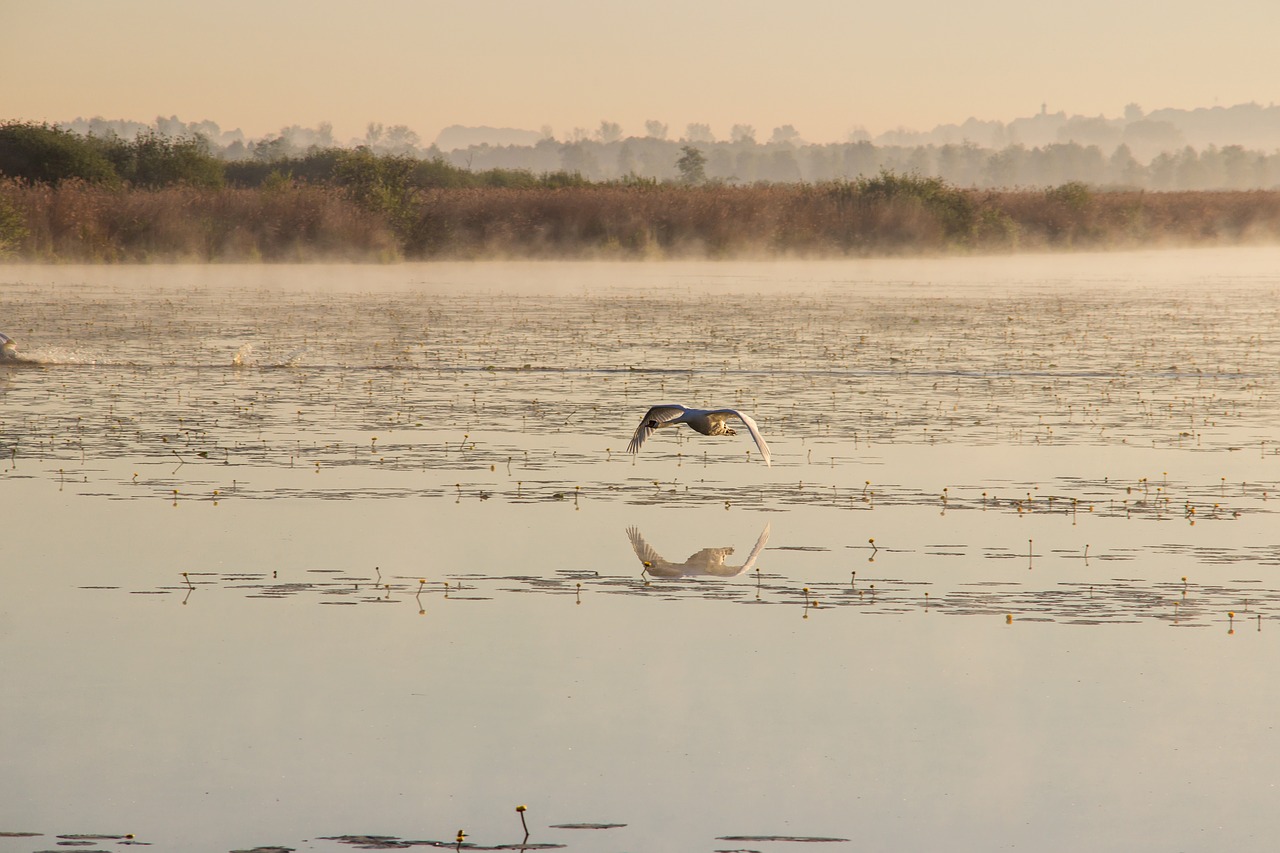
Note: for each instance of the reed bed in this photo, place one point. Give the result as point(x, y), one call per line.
point(75, 221)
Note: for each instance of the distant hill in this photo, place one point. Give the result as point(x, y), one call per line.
point(457, 136)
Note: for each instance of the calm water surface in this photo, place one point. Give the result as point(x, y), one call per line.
point(299, 555)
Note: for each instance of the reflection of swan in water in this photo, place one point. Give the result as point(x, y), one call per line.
point(8, 348)
point(708, 561)
point(705, 421)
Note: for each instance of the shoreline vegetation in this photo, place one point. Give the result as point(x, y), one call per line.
point(66, 198)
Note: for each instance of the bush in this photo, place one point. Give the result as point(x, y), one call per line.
point(379, 184)
point(46, 154)
point(152, 160)
point(953, 207)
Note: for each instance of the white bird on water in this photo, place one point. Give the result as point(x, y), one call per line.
point(705, 421)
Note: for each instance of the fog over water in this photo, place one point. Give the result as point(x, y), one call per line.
point(300, 555)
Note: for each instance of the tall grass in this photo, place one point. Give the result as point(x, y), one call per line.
point(80, 222)
point(370, 219)
point(870, 218)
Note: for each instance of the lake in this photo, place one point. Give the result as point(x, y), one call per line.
point(338, 557)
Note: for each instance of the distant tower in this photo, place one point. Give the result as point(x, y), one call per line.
point(1044, 109)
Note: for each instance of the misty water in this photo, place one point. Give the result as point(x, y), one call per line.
point(300, 556)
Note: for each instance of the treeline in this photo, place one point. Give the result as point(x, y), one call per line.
point(68, 198)
point(1142, 151)
point(963, 164)
point(43, 153)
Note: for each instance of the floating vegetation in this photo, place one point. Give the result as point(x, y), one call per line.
point(1098, 602)
point(82, 841)
point(798, 838)
point(387, 842)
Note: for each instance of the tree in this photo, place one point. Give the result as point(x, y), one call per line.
point(324, 135)
point(1123, 169)
point(400, 139)
point(743, 133)
point(781, 167)
point(171, 126)
point(627, 162)
point(692, 166)
point(655, 129)
point(695, 132)
point(786, 133)
point(577, 159)
point(271, 149)
point(720, 165)
point(610, 131)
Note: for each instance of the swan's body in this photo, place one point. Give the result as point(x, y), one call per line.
point(705, 421)
point(8, 349)
point(708, 561)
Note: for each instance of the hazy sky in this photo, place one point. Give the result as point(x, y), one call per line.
point(825, 66)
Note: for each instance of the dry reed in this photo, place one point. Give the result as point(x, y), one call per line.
point(76, 221)
point(79, 222)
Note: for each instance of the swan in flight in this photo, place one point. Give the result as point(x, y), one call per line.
point(705, 421)
point(8, 349)
point(708, 561)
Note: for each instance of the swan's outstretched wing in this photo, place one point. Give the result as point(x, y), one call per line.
point(755, 552)
point(652, 419)
point(653, 562)
point(753, 429)
point(642, 548)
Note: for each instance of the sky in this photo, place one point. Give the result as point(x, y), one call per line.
point(827, 67)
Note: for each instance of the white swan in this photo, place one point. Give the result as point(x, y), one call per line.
point(705, 421)
point(8, 349)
